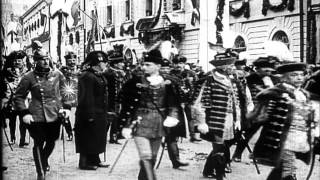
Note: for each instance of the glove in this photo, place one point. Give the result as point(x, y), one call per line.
point(237, 125)
point(127, 133)
point(65, 112)
point(170, 122)
point(203, 128)
point(27, 119)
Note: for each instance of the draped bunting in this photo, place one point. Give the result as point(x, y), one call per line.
point(266, 5)
point(218, 21)
point(244, 9)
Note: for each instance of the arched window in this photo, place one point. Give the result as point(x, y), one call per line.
point(282, 37)
point(240, 44)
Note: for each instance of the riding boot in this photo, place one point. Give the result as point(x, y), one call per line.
point(173, 152)
point(23, 130)
point(275, 174)
point(68, 128)
point(146, 171)
point(38, 163)
point(290, 177)
point(208, 170)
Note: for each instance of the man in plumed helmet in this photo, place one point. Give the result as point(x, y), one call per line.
point(11, 75)
point(289, 118)
point(152, 100)
point(92, 112)
point(222, 115)
point(42, 115)
point(70, 89)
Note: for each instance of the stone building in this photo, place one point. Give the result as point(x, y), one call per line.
point(254, 22)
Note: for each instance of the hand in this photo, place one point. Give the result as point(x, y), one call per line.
point(170, 122)
point(127, 133)
point(203, 128)
point(27, 119)
point(65, 112)
point(237, 125)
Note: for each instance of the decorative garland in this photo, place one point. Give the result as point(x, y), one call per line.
point(267, 5)
point(244, 9)
point(218, 21)
point(130, 29)
point(110, 33)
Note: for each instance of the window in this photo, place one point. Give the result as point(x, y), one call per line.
point(109, 14)
point(127, 10)
point(176, 5)
point(282, 37)
point(77, 37)
point(148, 7)
point(71, 39)
point(240, 44)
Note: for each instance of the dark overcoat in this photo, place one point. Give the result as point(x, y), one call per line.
point(90, 136)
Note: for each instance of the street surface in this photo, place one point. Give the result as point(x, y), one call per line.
point(21, 166)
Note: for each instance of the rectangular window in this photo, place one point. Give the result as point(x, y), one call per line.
point(109, 14)
point(148, 7)
point(176, 5)
point(127, 10)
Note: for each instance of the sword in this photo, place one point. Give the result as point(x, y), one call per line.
point(185, 120)
point(118, 157)
point(253, 158)
point(62, 116)
point(132, 126)
point(6, 135)
point(163, 143)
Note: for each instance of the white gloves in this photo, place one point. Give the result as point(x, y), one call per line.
point(127, 133)
point(27, 119)
point(237, 125)
point(203, 128)
point(170, 122)
point(65, 112)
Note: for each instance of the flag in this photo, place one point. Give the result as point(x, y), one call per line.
point(93, 32)
point(75, 13)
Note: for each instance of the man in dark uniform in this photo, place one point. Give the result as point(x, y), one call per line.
point(178, 131)
point(92, 111)
point(256, 81)
point(70, 89)
point(150, 98)
point(42, 116)
point(117, 79)
point(187, 78)
point(222, 115)
point(14, 70)
point(289, 120)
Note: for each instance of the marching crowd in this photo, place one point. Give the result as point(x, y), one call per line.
point(158, 100)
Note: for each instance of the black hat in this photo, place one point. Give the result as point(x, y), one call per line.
point(264, 62)
point(165, 63)
point(289, 67)
point(16, 55)
point(153, 56)
point(240, 62)
point(40, 54)
point(179, 59)
point(115, 57)
point(94, 57)
point(221, 59)
point(36, 45)
point(70, 55)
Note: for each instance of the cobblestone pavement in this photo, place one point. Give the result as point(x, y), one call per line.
point(21, 166)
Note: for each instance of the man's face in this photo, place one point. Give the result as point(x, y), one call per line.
point(119, 65)
point(295, 78)
point(265, 71)
point(228, 69)
point(18, 63)
point(165, 69)
point(43, 62)
point(72, 62)
point(150, 68)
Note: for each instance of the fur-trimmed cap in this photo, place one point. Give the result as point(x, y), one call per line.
point(70, 55)
point(179, 59)
point(264, 62)
point(40, 54)
point(289, 67)
point(95, 57)
point(153, 56)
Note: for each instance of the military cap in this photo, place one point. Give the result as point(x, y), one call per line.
point(70, 55)
point(264, 62)
point(40, 54)
point(95, 57)
point(179, 59)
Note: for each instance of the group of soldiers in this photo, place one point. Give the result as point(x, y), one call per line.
point(159, 100)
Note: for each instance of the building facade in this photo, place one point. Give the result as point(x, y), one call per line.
point(255, 22)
